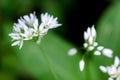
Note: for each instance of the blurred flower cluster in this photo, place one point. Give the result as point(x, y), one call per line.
point(91, 45)
point(113, 70)
point(28, 28)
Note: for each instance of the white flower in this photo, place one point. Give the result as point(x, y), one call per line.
point(89, 37)
point(30, 20)
point(117, 61)
point(72, 51)
point(91, 45)
point(28, 27)
point(113, 70)
point(81, 65)
point(90, 48)
point(85, 45)
point(95, 44)
point(100, 48)
point(107, 52)
point(86, 36)
point(18, 40)
point(97, 53)
point(48, 21)
point(103, 69)
point(28, 34)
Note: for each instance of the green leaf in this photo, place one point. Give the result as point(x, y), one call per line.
point(109, 28)
point(56, 49)
point(108, 31)
point(65, 67)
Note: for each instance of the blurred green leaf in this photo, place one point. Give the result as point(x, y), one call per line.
point(109, 34)
point(65, 67)
point(56, 49)
point(109, 28)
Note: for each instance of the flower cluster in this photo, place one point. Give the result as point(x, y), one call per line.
point(28, 28)
point(113, 70)
point(91, 45)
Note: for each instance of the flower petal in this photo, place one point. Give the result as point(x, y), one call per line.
point(72, 51)
point(100, 48)
point(93, 32)
point(117, 61)
point(103, 69)
point(85, 45)
point(15, 43)
point(81, 65)
point(86, 35)
point(107, 52)
point(97, 53)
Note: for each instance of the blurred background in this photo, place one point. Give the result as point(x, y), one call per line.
point(75, 16)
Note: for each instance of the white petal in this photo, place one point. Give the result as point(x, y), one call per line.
point(35, 24)
point(93, 31)
point(110, 78)
point(21, 44)
point(118, 70)
point(88, 31)
point(27, 19)
point(117, 61)
point(81, 65)
point(49, 21)
point(86, 35)
point(55, 25)
point(100, 48)
point(103, 69)
point(95, 44)
point(107, 52)
point(90, 48)
point(97, 53)
point(85, 45)
point(72, 51)
point(15, 43)
point(112, 70)
point(90, 40)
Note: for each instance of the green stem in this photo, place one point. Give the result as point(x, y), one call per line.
point(87, 72)
point(51, 69)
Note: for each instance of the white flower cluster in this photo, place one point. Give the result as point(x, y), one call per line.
point(91, 45)
point(113, 71)
point(28, 27)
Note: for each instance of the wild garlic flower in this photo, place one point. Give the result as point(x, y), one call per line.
point(28, 27)
point(48, 22)
point(81, 65)
point(91, 44)
point(72, 51)
point(113, 71)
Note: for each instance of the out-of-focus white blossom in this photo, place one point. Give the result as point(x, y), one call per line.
point(49, 21)
point(28, 27)
point(72, 51)
point(89, 37)
point(81, 65)
point(107, 52)
point(113, 71)
point(91, 44)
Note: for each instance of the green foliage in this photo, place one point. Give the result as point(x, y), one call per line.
point(29, 62)
point(109, 28)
